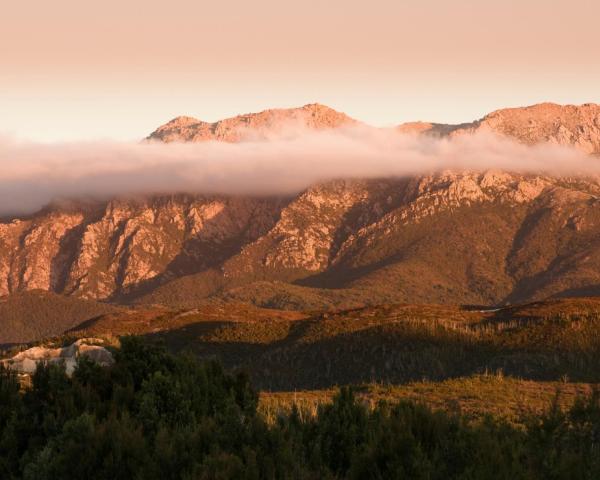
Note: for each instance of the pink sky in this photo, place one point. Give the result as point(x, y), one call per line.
point(71, 69)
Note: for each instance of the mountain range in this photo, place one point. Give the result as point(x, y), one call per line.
point(486, 237)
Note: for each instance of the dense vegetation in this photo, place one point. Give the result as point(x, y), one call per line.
point(158, 415)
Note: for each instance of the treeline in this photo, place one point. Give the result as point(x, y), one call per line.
point(157, 415)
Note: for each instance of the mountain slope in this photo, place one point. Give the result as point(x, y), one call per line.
point(486, 237)
point(570, 125)
point(35, 315)
point(103, 251)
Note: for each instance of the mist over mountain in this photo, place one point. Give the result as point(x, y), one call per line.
point(283, 152)
point(306, 208)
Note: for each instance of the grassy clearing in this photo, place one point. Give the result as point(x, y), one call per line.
point(473, 397)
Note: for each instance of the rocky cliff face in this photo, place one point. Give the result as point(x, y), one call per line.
point(476, 237)
point(102, 251)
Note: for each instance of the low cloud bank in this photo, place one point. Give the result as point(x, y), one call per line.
point(32, 175)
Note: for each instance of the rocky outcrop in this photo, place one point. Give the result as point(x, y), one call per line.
point(26, 362)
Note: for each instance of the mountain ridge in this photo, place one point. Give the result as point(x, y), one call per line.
point(575, 125)
point(484, 237)
point(261, 124)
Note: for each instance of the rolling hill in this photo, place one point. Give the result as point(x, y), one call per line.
point(37, 314)
point(386, 344)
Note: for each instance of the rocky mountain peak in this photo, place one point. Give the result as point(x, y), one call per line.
point(259, 125)
point(569, 125)
point(575, 125)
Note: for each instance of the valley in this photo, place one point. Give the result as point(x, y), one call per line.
point(464, 289)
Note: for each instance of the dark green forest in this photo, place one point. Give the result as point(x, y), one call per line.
point(155, 414)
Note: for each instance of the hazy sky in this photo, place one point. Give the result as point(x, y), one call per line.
point(73, 69)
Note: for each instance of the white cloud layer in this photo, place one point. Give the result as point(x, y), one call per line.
point(32, 175)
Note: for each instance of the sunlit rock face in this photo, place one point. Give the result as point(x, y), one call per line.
point(123, 243)
point(452, 236)
point(253, 125)
point(569, 125)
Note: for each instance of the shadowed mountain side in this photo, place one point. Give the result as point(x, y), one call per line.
point(211, 287)
point(286, 350)
point(432, 129)
point(156, 318)
point(402, 343)
point(37, 314)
